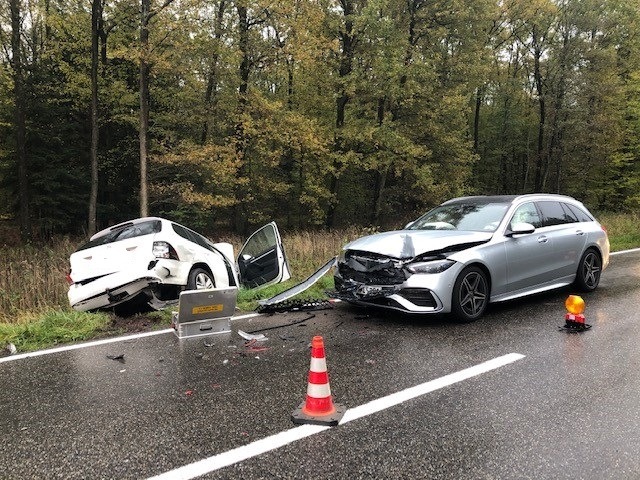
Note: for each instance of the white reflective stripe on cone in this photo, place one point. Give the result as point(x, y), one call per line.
point(318, 391)
point(318, 365)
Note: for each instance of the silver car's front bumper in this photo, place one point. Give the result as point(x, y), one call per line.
point(420, 293)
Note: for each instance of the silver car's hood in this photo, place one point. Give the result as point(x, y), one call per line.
point(409, 243)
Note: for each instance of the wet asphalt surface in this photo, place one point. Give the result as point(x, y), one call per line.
point(569, 409)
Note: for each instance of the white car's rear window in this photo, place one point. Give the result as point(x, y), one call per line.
point(121, 232)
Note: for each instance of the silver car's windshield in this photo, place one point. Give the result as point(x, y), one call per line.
point(479, 217)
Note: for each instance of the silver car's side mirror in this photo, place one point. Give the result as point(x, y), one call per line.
point(521, 228)
point(408, 225)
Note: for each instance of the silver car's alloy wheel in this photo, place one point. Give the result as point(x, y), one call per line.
point(200, 279)
point(470, 294)
point(589, 271)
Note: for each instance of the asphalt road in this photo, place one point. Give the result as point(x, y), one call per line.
point(565, 407)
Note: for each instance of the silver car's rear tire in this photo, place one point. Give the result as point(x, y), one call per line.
point(470, 295)
point(589, 270)
point(200, 279)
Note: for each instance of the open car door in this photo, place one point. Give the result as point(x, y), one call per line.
point(261, 261)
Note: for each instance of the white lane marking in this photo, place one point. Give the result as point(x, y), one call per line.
point(632, 250)
point(424, 388)
point(105, 341)
point(281, 439)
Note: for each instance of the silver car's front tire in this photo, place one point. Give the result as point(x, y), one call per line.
point(470, 294)
point(589, 270)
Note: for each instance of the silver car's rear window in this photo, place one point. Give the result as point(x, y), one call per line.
point(128, 230)
point(479, 217)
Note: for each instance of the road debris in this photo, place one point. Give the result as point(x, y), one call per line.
point(253, 346)
point(9, 349)
point(250, 336)
point(119, 357)
point(296, 305)
point(295, 322)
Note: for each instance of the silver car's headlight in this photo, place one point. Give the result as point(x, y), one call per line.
point(431, 266)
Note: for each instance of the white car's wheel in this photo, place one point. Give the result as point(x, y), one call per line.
point(200, 279)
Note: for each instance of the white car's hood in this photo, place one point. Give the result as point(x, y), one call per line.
point(409, 243)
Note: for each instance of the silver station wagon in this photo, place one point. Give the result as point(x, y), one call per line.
point(470, 251)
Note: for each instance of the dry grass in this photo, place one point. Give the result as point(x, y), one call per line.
point(32, 278)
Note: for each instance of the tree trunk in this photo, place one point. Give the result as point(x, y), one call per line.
point(96, 13)
point(540, 154)
point(144, 104)
point(20, 120)
point(476, 120)
point(381, 172)
point(347, 41)
point(212, 82)
point(241, 221)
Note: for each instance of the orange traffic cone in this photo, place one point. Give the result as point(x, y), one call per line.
point(318, 408)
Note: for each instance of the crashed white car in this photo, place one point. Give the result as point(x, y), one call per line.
point(155, 259)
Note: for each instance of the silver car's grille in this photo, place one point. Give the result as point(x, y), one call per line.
point(418, 296)
point(371, 269)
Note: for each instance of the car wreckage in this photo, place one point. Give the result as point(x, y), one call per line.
point(471, 251)
point(153, 259)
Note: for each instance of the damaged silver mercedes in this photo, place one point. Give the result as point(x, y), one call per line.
point(468, 252)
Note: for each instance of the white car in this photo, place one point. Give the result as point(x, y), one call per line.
point(155, 259)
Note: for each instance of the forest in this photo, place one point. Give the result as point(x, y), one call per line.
point(225, 114)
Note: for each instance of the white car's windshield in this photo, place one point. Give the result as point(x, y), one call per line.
point(479, 217)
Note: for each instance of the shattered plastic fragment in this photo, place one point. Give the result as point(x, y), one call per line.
point(249, 336)
point(252, 347)
point(119, 357)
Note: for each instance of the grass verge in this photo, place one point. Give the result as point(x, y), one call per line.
point(35, 331)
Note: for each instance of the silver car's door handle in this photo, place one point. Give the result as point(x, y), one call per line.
point(579, 232)
point(542, 239)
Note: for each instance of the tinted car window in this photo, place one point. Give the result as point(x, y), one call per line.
point(192, 236)
point(526, 213)
point(129, 230)
point(553, 214)
point(568, 214)
point(180, 230)
point(580, 214)
point(199, 239)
